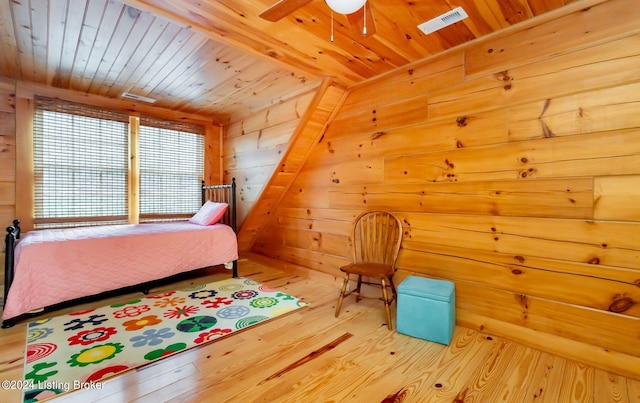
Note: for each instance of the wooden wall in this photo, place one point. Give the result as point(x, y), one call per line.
point(7, 158)
point(255, 143)
point(514, 164)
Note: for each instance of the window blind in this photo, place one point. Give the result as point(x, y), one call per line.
point(80, 165)
point(171, 169)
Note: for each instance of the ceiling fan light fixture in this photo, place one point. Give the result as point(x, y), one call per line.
point(345, 6)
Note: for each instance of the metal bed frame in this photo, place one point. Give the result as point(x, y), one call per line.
point(224, 193)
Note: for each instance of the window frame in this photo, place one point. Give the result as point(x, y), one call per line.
point(25, 106)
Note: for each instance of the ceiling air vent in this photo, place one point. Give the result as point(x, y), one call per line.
point(444, 20)
point(137, 97)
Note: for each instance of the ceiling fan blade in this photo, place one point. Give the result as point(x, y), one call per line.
point(357, 20)
point(282, 8)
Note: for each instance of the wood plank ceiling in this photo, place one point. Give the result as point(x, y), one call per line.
point(219, 58)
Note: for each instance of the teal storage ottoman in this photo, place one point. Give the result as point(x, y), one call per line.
point(426, 309)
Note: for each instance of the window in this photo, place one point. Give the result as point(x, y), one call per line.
point(171, 169)
point(81, 166)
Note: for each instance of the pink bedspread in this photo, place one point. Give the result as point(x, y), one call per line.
point(52, 266)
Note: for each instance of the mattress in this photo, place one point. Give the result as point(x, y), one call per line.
point(53, 266)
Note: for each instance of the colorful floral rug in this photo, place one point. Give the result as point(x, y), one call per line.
point(81, 349)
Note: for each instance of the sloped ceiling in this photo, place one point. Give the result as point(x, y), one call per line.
point(219, 58)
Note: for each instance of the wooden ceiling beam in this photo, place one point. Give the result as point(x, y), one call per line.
point(282, 9)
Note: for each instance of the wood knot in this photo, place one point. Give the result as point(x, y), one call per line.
point(377, 135)
point(461, 397)
point(461, 121)
point(546, 131)
point(595, 260)
point(522, 300)
point(504, 76)
point(335, 180)
point(399, 396)
point(620, 305)
point(519, 258)
point(528, 173)
point(516, 271)
point(273, 53)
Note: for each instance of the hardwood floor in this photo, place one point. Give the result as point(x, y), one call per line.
point(310, 356)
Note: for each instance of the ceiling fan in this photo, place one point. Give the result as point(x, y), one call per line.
point(359, 15)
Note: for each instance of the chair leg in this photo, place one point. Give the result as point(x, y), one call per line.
point(383, 283)
point(358, 298)
point(393, 289)
point(342, 291)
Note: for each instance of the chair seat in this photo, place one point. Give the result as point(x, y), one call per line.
point(368, 269)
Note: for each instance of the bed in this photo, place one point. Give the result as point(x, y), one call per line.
point(46, 268)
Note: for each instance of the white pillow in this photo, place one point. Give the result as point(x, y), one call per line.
point(210, 213)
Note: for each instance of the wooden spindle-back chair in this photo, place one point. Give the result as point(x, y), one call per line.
point(376, 238)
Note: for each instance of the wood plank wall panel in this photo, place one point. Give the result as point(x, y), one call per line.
point(561, 35)
point(7, 149)
point(310, 130)
point(7, 158)
point(617, 198)
point(515, 177)
point(254, 144)
point(542, 198)
point(600, 66)
point(213, 155)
